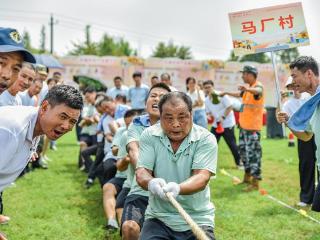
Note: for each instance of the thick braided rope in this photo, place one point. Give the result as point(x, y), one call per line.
point(198, 232)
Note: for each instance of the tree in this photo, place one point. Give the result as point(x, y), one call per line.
point(85, 48)
point(233, 57)
point(26, 40)
point(42, 40)
point(257, 57)
point(107, 46)
point(164, 50)
point(287, 55)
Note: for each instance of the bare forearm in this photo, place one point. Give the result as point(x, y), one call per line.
point(133, 151)
point(143, 177)
point(304, 136)
point(254, 91)
point(227, 111)
point(194, 184)
point(235, 94)
point(122, 164)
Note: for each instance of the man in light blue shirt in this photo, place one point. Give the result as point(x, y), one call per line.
point(118, 89)
point(177, 157)
point(28, 97)
point(137, 199)
point(139, 93)
point(10, 97)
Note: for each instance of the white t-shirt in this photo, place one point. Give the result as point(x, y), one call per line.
point(173, 89)
point(89, 111)
point(293, 104)
point(17, 124)
point(6, 99)
point(218, 110)
point(194, 97)
point(106, 130)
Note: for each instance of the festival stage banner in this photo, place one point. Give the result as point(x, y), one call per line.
point(268, 29)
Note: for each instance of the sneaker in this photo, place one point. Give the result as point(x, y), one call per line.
point(82, 168)
point(46, 158)
point(89, 183)
point(112, 225)
point(54, 148)
point(302, 205)
point(240, 167)
point(4, 219)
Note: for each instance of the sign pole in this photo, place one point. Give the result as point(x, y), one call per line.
point(279, 105)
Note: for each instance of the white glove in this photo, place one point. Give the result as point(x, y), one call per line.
point(155, 187)
point(172, 187)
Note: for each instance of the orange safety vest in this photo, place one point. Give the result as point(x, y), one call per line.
point(251, 117)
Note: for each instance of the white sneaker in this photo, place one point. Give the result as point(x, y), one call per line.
point(302, 204)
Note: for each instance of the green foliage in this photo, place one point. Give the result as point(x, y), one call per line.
point(27, 42)
point(52, 204)
point(258, 57)
point(164, 50)
point(107, 46)
point(85, 82)
point(288, 55)
point(233, 57)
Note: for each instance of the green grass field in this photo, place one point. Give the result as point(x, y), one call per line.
point(52, 204)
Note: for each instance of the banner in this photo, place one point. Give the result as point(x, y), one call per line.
point(268, 29)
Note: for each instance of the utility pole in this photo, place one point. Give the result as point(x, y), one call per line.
point(51, 23)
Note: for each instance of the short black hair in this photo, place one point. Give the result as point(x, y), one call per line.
point(89, 89)
point(121, 96)
point(137, 74)
point(106, 99)
point(57, 73)
point(305, 63)
point(208, 82)
point(172, 97)
point(50, 80)
point(154, 77)
point(101, 94)
point(165, 75)
point(130, 113)
point(159, 85)
point(65, 94)
point(117, 77)
point(190, 79)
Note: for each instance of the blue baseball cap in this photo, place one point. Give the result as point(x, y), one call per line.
point(11, 41)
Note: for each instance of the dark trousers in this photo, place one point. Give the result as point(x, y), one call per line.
point(316, 200)
point(230, 139)
point(86, 156)
point(307, 167)
point(154, 229)
point(99, 158)
point(1, 203)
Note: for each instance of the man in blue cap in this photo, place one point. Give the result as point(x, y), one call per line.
point(12, 55)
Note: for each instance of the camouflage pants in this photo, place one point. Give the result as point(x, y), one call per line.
point(251, 152)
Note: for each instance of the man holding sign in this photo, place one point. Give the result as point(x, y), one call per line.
point(250, 120)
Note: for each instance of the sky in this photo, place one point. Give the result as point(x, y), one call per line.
point(202, 25)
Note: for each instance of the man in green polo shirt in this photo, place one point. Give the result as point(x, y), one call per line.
point(137, 200)
point(176, 156)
